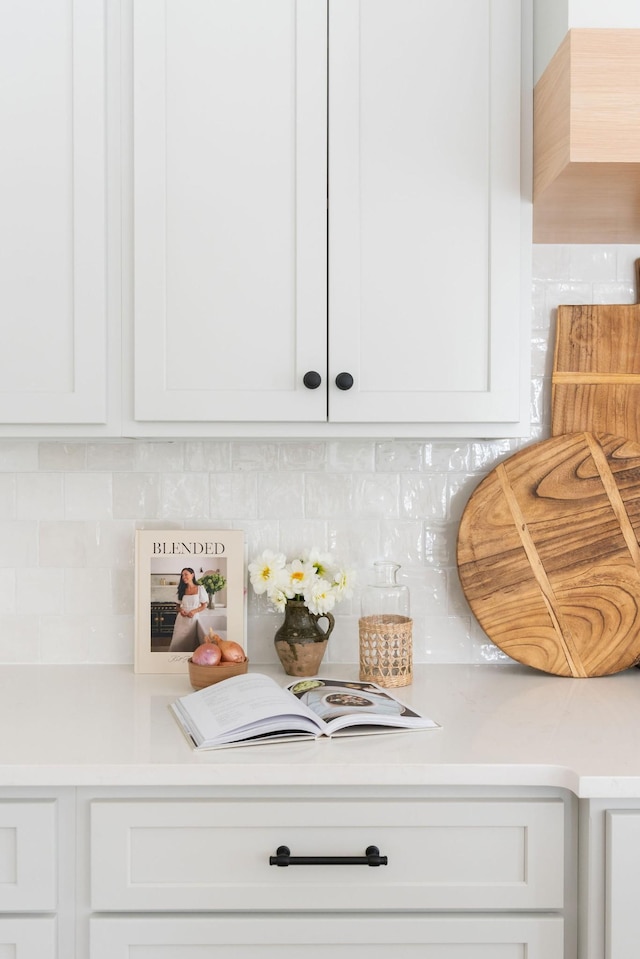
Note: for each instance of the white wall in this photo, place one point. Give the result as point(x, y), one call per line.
point(68, 510)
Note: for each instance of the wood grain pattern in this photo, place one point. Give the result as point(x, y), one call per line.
point(586, 183)
point(548, 555)
point(596, 370)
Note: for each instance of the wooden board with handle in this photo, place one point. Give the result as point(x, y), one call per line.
point(596, 369)
point(548, 555)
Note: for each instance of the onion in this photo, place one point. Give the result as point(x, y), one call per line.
point(208, 654)
point(231, 652)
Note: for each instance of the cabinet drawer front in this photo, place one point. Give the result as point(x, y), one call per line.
point(195, 855)
point(460, 937)
point(28, 938)
point(27, 856)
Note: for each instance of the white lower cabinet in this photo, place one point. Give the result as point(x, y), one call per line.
point(366, 937)
point(28, 938)
point(205, 876)
point(610, 857)
point(37, 911)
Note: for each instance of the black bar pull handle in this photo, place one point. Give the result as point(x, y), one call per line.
point(283, 857)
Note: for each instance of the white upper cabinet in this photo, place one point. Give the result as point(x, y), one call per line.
point(424, 222)
point(230, 144)
point(53, 301)
point(418, 108)
point(213, 208)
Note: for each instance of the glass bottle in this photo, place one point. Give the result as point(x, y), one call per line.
point(385, 629)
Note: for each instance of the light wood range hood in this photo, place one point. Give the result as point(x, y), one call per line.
point(586, 185)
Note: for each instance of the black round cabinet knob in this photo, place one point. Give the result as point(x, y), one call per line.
point(312, 380)
point(344, 381)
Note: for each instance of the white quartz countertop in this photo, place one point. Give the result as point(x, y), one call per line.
point(501, 726)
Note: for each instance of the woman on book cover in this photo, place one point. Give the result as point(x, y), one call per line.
point(192, 599)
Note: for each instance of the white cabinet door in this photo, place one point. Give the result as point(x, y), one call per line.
point(229, 209)
point(32, 938)
point(286, 937)
point(53, 203)
point(425, 227)
point(622, 883)
point(425, 279)
point(28, 857)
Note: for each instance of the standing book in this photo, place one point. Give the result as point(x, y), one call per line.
point(253, 708)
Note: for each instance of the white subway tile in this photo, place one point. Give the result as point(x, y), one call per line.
point(122, 592)
point(109, 545)
point(87, 591)
point(550, 261)
point(626, 256)
point(207, 456)
point(376, 495)
point(62, 456)
point(63, 544)
point(541, 356)
point(114, 456)
point(233, 495)
point(302, 456)
point(8, 507)
point(13, 648)
point(355, 543)
point(439, 546)
point(398, 456)
point(441, 456)
point(162, 456)
point(254, 456)
point(8, 598)
point(18, 455)
point(18, 543)
point(593, 262)
point(184, 496)
point(88, 496)
point(298, 536)
point(65, 639)
point(424, 496)
point(351, 455)
point(110, 639)
point(328, 495)
point(39, 590)
point(403, 541)
point(280, 495)
point(136, 496)
point(618, 292)
point(40, 496)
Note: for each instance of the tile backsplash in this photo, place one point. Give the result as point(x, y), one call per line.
point(68, 509)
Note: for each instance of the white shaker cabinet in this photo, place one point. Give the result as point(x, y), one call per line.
point(197, 875)
point(53, 197)
point(610, 855)
point(329, 188)
point(36, 880)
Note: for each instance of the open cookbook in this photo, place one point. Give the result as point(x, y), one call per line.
point(253, 708)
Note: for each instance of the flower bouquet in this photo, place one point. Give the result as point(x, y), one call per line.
point(306, 589)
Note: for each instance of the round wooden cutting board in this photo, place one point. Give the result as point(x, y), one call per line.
point(548, 555)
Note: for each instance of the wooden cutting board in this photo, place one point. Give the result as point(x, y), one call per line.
point(548, 555)
point(596, 369)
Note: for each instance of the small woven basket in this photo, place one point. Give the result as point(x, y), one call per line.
point(386, 650)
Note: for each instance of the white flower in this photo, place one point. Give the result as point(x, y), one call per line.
point(322, 562)
point(313, 577)
point(278, 599)
point(343, 583)
point(263, 572)
point(320, 597)
point(298, 577)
